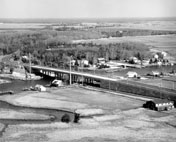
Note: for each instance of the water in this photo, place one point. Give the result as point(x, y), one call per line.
point(18, 85)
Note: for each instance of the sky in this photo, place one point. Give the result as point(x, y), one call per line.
point(87, 8)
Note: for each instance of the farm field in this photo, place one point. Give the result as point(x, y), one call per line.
point(114, 117)
point(13, 26)
point(151, 24)
point(156, 43)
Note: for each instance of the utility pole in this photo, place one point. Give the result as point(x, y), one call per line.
point(30, 65)
point(70, 72)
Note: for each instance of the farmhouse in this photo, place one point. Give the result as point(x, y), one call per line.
point(155, 73)
point(56, 83)
point(101, 60)
point(131, 74)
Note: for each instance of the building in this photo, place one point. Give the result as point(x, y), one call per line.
point(40, 88)
point(84, 62)
point(169, 82)
point(56, 83)
point(155, 73)
point(134, 60)
point(101, 60)
point(159, 104)
point(132, 74)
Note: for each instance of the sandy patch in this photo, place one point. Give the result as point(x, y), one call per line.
point(88, 122)
point(89, 112)
point(52, 125)
point(107, 117)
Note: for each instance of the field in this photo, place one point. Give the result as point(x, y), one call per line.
point(14, 26)
point(114, 117)
point(156, 43)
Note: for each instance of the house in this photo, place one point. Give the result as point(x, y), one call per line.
point(73, 62)
point(159, 104)
point(40, 88)
point(101, 60)
point(133, 60)
point(156, 56)
point(132, 74)
point(155, 73)
point(164, 54)
point(84, 62)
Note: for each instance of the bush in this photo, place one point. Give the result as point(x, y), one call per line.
point(65, 118)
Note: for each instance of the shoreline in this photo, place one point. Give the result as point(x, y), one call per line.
point(19, 76)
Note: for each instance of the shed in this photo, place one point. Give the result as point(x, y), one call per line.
point(155, 73)
point(101, 60)
point(40, 88)
point(159, 104)
point(132, 74)
point(56, 83)
point(85, 62)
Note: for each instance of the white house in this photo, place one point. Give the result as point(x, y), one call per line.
point(164, 53)
point(57, 83)
point(134, 59)
point(155, 73)
point(40, 88)
point(101, 60)
point(156, 56)
point(132, 74)
point(85, 62)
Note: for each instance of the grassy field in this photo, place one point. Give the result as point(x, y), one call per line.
point(157, 43)
point(122, 119)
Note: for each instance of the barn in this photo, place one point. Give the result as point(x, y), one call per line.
point(159, 104)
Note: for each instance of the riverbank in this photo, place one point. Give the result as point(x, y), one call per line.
point(19, 74)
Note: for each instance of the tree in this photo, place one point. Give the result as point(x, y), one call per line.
point(11, 70)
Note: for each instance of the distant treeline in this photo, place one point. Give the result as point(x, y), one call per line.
point(113, 32)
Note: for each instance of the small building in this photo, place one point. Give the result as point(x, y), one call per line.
point(132, 74)
point(84, 62)
point(155, 73)
point(159, 104)
point(133, 60)
point(156, 56)
point(73, 62)
point(164, 54)
point(101, 60)
point(56, 83)
point(40, 88)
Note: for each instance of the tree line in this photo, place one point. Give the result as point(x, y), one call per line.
point(54, 48)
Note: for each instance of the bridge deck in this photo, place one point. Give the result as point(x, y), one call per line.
point(73, 72)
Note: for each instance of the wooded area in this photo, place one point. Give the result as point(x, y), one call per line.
point(51, 47)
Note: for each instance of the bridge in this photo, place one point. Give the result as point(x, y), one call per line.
point(108, 83)
point(74, 75)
